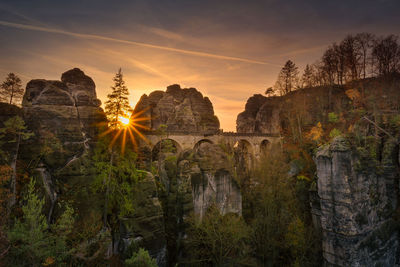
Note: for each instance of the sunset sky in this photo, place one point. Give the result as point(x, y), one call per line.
point(229, 50)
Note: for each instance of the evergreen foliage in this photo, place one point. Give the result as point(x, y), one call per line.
point(117, 104)
point(33, 241)
point(141, 259)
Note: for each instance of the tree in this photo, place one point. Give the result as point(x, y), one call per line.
point(386, 55)
point(141, 259)
point(116, 175)
point(117, 104)
point(34, 242)
point(364, 41)
point(270, 91)
point(307, 80)
point(287, 78)
point(15, 131)
point(11, 89)
point(218, 240)
point(352, 56)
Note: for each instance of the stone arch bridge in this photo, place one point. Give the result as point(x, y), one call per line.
point(253, 142)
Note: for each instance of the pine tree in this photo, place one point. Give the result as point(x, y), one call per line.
point(11, 89)
point(117, 104)
point(287, 78)
point(34, 241)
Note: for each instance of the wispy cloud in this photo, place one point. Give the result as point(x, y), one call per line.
point(105, 38)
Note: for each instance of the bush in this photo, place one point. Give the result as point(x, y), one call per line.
point(141, 259)
point(332, 117)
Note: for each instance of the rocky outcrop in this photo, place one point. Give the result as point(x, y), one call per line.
point(261, 115)
point(64, 116)
point(274, 115)
point(214, 182)
point(182, 110)
point(358, 197)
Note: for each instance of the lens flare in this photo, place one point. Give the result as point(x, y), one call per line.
point(131, 125)
point(124, 121)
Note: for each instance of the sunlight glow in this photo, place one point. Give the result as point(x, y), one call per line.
point(130, 125)
point(124, 121)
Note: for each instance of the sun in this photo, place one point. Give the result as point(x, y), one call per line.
point(124, 121)
point(129, 127)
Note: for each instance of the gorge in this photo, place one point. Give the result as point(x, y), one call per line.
point(188, 165)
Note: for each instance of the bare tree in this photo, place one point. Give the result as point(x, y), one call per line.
point(352, 57)
point(364, 41)
point(386, 55)
point(11, 89)
point(330, 65)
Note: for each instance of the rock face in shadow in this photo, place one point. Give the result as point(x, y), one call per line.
point(215, 182)
point(64, 116)
point(192, 181)
point(357, 202)
point(274, 115)
point(261, 115)
point(182, 110)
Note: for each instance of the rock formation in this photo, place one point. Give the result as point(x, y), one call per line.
point(182, 110)
point(269, 115)
point(64, 116)
point(261, 115)
point(192, 181)
point(357, 200)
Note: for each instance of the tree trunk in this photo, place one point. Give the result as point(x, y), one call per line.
point(14, 173)
point(108, 189)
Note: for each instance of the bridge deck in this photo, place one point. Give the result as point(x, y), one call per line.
point(190, 140)
point(212, 134)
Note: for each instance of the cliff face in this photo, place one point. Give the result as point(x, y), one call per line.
point(64, 116)
point(261, 115)
point(192, 181)
point(182, 110)
point(271, 115)
point(357, 203)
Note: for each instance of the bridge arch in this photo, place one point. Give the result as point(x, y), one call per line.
point(244, 146)
point(202, 141)
point(166, 145)
point(265, 146)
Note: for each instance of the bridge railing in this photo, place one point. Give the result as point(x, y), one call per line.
point(212, 134)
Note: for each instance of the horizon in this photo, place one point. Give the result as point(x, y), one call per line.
point(228, 52)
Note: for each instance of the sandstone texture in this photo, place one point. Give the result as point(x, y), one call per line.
point(64, 116)
point(357, 202)
point(182, 110)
